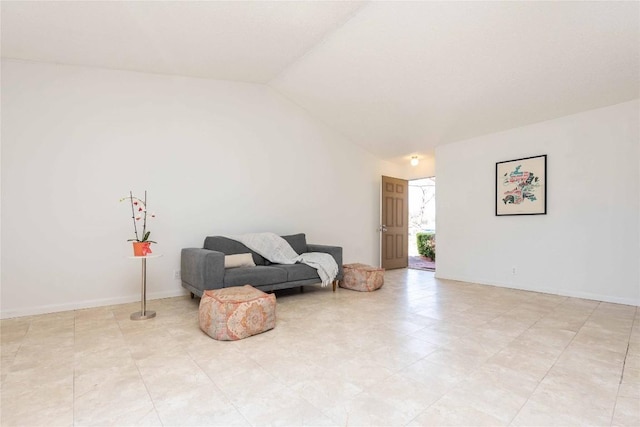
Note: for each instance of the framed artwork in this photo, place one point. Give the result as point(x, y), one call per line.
point(521, 186)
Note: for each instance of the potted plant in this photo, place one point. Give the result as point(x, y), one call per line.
point(141, 243)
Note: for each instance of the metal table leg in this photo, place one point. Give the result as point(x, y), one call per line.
point(143, 313)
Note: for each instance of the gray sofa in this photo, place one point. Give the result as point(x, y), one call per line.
point(203, 268)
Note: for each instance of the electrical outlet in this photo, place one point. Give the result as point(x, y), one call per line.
point(176, 274)
point(513, 271)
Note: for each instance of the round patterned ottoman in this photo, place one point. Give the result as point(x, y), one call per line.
point(235, 313)
point(362, 277)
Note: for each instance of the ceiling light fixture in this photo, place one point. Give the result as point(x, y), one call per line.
point(414, 161)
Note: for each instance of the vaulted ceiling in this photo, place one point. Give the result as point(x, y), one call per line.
point(397, 78)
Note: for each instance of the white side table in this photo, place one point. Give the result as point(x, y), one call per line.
point(143, 313)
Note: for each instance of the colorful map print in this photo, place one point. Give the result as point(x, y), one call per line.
point(526, 185)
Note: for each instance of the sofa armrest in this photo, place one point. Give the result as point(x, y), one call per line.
point(334, 251)
point(202, 269)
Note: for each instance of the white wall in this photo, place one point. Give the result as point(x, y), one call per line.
point(588, 245)
point(215, 157)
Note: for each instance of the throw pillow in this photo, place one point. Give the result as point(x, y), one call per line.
point(238, 260)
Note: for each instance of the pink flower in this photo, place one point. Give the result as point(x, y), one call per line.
point(139, 212)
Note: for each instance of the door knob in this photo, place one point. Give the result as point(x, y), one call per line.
point(382, 228)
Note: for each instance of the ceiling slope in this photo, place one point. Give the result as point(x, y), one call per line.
point(403, 77)
point(248, 41)
point(398, 78)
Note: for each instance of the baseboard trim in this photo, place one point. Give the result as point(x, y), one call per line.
point(79, 305)
point(531, 288)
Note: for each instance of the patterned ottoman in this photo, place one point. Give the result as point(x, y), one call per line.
point(362, 277)
point(235, 313)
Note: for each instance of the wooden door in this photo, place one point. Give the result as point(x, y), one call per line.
point(395, 228)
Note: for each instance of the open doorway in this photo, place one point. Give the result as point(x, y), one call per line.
point(422, 224)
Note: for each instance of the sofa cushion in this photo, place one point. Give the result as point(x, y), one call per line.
point(298, 242)
point(255, 276)
point(297, 272)
point(238, 260)
point(230, 247)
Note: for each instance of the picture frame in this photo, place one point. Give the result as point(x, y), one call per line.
point(521, 186)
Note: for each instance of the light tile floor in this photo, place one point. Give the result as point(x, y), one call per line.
point(418, 352)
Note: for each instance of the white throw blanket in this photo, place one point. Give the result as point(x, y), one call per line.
point(277, 250)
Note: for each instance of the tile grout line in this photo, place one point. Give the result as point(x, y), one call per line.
point(218, 387)
point(615, 404)
point(13, 359)
point(554, 362)
point(624, 363)
point(138, 369)
point(476, 369)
